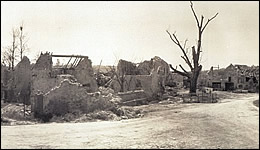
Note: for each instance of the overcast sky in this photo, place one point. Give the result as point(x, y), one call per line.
point(135, 31)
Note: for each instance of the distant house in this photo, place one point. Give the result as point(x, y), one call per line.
point(232, 77)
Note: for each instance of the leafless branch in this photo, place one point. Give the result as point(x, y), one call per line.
point(209, 21)
point(195, 53)
point(187, 51)
point(201, 21)
point(183, 68)
point(171, 37)
point(184, 46)
point(191, 5)
point(179, 72)
point(176, 41)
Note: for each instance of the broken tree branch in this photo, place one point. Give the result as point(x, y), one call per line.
point(183, 68)
point(179, 72)
point(191, 5)
point(185, 44)
point(209, 21)
point(201, 22)
point(171, 37)
point(176, 41)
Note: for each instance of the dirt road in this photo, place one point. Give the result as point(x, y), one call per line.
point(232, 123)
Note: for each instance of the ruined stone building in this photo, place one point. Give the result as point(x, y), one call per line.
point(149, 76)
point(231, 78)
point(4, 79)
point(15, 84)
point(60, 85)
point(73, 87)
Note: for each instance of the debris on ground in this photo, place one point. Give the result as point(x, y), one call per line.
point(105, 115)
point(15, 111)
point(13, 114)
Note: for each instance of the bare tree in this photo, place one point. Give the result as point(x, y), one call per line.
point(15, 34)
point(9, 52)
point(23, 42)
point(7, 57)
point(196, 66)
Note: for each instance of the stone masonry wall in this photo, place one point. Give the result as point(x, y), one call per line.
point(76, 98)
point(22, 81)
point(151, 78)
point(85, 75)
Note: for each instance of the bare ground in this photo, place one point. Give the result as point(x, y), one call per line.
point(231, 123)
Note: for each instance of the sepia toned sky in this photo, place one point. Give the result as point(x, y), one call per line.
point(135, 31)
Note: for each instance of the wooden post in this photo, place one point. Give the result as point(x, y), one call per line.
point(23, 96)
point(202, 96)
point(24, 106)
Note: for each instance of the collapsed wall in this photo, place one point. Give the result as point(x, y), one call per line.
point(126, 68)
point(41, 75)
point(53, 84)
point(85, 75)
point(71, 97)
point(45, 77)
point(149, 76)
point(145, 67)
point(5, 76)
point(16, 83)
point(22, 81)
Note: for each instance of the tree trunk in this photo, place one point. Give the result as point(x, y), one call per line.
point(196, 67)
point(13, 57)
point(193, 85)
point(122, 88)
point(194, 79)
point(21, 45)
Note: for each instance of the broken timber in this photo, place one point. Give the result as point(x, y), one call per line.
point(78, 59)
point(77, 56)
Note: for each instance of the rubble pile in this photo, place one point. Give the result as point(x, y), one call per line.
point(76, 98)
point(105, 115)
point(15, 111)
point(13, 114)
point(102, 80)
point(149, 76)
point(75, 93)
